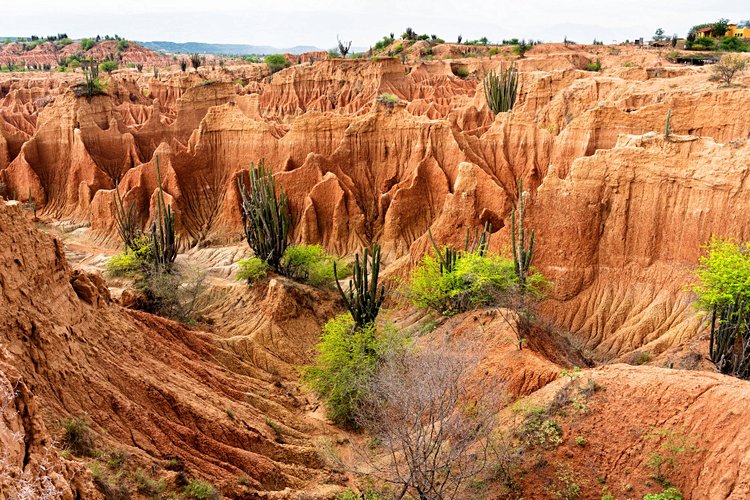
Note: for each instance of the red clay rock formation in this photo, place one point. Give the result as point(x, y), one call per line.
point(148, 386)
point(358, 170)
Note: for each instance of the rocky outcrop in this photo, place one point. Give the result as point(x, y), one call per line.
point(636, 217)
point(148, 386)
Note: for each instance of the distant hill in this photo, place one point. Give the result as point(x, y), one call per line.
point(224, 48)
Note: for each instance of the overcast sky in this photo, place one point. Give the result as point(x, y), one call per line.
point(285, 23)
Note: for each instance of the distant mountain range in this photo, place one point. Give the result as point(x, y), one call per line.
point(224, 48)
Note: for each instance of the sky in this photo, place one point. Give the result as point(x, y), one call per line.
point(286, 23)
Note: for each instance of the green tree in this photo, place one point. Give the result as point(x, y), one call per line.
point(276, 62)
point(720, 27)
point(87, 44)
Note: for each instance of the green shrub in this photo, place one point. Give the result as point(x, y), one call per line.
point(666, 459)
point(461, 71)
point(476, 281)
point(201, 490)
point(87, 43)
point(668, 494)
point(134, 260)
point(147, 485)
point(122, 45)
point(732, 44)
point(723, 274)
point(310, 264)
point(389, 100)
point(366, 494)
point(594, 66)
point(705, 43)
point(123, 264)
point(108, 66)
point(276, 62)
point(346, 361)
point(252, 270)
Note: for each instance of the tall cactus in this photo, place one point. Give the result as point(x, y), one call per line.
point(501, 90)
point(362, 299)
point(127, 227)
point(450, 256)
point(265, 218)
point(162, 230)
point(522, 256)
point(668, 125)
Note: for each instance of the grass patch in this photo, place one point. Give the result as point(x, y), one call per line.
point(252, 270)
point(311, 264)
point(201, 490)
point(78, 437)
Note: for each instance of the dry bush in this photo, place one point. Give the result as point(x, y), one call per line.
point(431, 425)
point(173, 295)
point(729, 67)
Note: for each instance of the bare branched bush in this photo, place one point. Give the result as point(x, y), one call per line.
point(729, 67)
point(431, 424)
point(173, 295)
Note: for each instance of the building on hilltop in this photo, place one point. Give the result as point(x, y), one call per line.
point(732, 31)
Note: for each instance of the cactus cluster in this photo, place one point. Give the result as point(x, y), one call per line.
point(127, 226)
point(363, 299)
point(500, 90)
point(450, 255)
point(163, 230)
point(265, 218)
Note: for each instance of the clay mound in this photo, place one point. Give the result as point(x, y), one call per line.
point(631, 403)
point(148, 386)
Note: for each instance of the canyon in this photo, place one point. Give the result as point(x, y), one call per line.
point(620, 210)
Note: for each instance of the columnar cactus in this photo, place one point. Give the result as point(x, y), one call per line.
point(265, 218)
point(522, 256)
point(450, 256)
point(162, 229)
point(125, 219)
point(363, 299)
point(500, 90)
